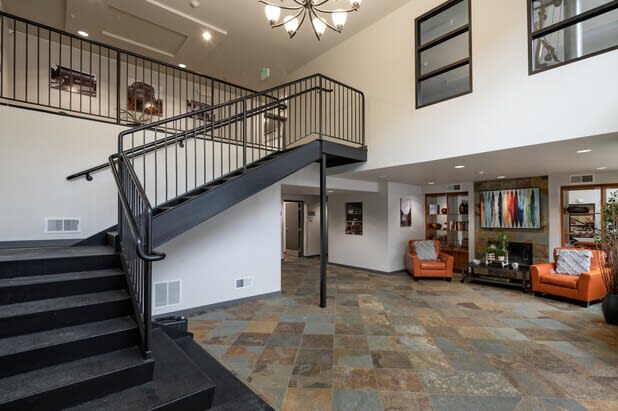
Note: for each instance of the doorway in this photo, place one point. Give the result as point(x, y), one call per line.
point(293, 228)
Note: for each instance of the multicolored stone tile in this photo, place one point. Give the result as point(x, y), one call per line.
point(386, 342)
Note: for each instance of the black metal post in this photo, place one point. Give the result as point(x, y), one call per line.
point(323, 232)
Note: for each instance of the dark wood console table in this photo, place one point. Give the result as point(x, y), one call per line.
point(495, 273)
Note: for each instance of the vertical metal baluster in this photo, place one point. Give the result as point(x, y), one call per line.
point(100, 77)
point(26, 68)
point(14, 58)
point(186, 155)
point(144, 157)
point(2, 55)
point(71, 68)
point(166, 167)
point(156, 154)
point(38, 64)
point(173, 92)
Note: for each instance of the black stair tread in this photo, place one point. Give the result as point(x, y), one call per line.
point(22, 254)
point(176, 376)
point(44, 379)
point(28, 342)
point(49, 278)
point(231, 393)
point(39, 306)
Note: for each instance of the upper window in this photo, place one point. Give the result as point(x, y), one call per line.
point(443, 44)
point(562, 31)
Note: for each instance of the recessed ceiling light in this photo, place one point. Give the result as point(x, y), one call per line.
point(82, 33)
point(602, 168)
point(194, 3)
point(459, 166)
point(500, 177)
point(382, 176)
point(207, 36)
point(181, 65)
point(431, 183)
point(481, 172)
point(330, 191)
point(586, 150)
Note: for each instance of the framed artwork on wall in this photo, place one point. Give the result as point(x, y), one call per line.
point(405, 212)
point(515, 208)
point(73, 81)
point(193, 105)
point(354, 218)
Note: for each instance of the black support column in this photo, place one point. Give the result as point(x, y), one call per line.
point(323, 232)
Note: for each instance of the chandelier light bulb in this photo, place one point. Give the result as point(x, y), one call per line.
point(339, 19)
point(315, 11)
point(291, 24)
point(272, 13)
point(319, 26)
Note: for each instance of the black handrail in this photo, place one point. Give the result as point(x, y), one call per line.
point(153, 146)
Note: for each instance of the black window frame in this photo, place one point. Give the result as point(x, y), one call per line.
point(561, 25)
point(419, 48)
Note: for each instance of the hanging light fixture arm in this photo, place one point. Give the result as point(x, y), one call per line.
point(284, 21)
point(323, 20)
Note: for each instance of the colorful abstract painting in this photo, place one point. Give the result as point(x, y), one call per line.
point(517, 208)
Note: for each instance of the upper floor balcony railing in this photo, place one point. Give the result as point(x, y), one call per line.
point(48, 69)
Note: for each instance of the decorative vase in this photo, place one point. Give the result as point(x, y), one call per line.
point(444, 211)
point(500, 258)
point(463, 208)
point(610, 308)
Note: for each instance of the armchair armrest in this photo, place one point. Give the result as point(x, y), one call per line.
point(591, 286)
point(537, 270)
point(449, 260)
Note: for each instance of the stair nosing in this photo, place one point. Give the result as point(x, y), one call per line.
point(124, 323)
point(63, 303)
point(26, 280)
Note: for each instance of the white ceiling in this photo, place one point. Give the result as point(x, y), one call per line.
point(237, 57)
point(541, 159)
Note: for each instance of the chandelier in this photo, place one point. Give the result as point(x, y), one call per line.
point(311, 8)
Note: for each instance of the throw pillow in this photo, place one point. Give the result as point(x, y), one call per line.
point(573, 262)
point(425, 250)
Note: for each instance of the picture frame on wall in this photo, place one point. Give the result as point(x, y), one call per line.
point(405, 212)
point(194, 105)
point(354, 218)
point(141, 98)
point(73, 81)
point(518, 208)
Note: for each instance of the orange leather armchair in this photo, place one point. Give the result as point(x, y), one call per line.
point(442, 267)
point(585, 287)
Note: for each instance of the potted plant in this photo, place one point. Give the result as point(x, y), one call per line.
point(490, 253)
point(607, 241)
point(501, 254)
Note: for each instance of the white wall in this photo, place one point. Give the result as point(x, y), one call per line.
point(398, 236)
point(38, 152)
point(243, 241)
point(384, 241)
point(507, 108)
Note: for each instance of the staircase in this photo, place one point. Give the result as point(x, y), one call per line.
point(76, 327)
point(68, 337)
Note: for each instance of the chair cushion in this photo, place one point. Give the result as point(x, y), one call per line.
point(573, 261)
point(425, 250)
point(433, 265)
point(560, 280)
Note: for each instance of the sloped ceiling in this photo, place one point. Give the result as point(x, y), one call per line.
point(249, 45)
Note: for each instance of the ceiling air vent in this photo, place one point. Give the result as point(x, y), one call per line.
point(586, 178)
point(62, 225)
point(167, 293)
point(454, 187)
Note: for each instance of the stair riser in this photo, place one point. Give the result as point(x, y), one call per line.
point(85, 390)
point(48, 320)
point(201, 400)
point(56, 289)
point(70, 351)
point(10, 269)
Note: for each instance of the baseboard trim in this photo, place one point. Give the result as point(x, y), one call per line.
point(403, 270)
point(39, 243)
point(189, 312)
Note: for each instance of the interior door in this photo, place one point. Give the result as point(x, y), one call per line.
point(293, 228)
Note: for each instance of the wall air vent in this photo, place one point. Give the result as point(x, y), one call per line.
point(166, 293)
point(454, 187)
point(62, 225)
point(244, 282)
point(585, 178)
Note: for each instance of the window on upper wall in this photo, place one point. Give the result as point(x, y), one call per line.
point(443, 57)
point(563, 31)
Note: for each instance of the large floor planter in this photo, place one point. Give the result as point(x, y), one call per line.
point(610, 308)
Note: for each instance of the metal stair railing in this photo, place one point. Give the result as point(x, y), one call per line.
point(150, 168)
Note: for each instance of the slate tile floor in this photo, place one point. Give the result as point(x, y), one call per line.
point(385, 342)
